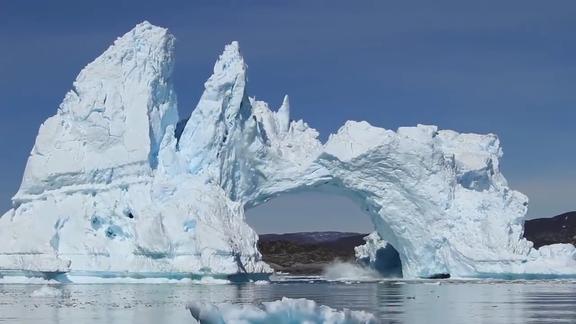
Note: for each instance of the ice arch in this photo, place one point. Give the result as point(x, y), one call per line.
point(322, 209)
point(113, 188)
point(437, 196)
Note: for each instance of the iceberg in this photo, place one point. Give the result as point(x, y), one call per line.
point(114, 187)
point(286, 310)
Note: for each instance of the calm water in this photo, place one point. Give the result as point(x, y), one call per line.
point(392, 302)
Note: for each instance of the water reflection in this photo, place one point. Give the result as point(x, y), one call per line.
point(392, 302)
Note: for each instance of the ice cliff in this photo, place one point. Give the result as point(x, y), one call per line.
point(110, 189)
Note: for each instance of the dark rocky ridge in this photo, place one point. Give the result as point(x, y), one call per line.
point(309, 252)
point(546, 231)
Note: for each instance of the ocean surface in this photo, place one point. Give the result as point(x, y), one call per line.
point(427, 301)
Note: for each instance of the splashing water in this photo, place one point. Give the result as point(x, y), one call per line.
point(346, 271)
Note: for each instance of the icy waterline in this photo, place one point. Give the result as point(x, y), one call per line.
point(109, 188)
point(337, 272)
point(90, 277)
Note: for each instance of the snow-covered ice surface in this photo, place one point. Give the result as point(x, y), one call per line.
point(282, 311)
point(110, 191)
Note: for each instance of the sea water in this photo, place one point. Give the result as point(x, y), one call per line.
point(424, 301)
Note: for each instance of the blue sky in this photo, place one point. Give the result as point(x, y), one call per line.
point(506, 67)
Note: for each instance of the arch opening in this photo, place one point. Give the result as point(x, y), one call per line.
point(319, 231)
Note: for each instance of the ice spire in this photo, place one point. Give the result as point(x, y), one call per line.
point(219, 113)
point(114, 116)
point(283, 115)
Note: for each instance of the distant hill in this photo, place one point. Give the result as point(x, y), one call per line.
point(545, 231)
point(309, 252)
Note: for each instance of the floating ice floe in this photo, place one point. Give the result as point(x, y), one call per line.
point(285, 311)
